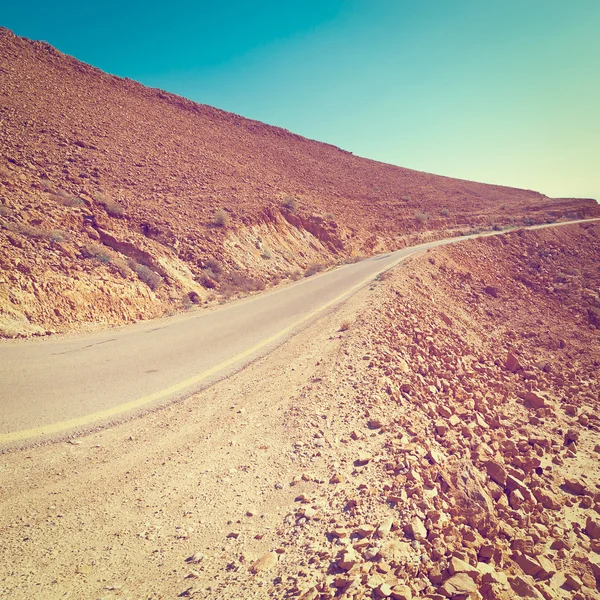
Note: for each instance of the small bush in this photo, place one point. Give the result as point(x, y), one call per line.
point(99, 252)
point(422, 217)
point(290, 203)
point(148, 276)
point(71, 201)
point(5, 211)
point(113, 209)
point(313, 268)
point(221, 219)
point(444, 212)
point(496, 227)
point(214, 266)
point(345, 325)
point(295, 275)
point(121, 266)
point(56, 236)
point(266, 253)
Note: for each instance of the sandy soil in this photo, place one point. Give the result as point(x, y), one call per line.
point(445, 444)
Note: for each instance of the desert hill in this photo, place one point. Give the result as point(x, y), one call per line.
point(119, 202)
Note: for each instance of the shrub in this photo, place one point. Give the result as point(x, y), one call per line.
point(422, 217)
point(444, 212)
point(496, 227)
point(121, 266)
point(313, 268)
point(221, 219)
point(345, 325)
point(71, 201)
point(295, 275)
point(290, 203)
point(56, 236)
point(148, 276)
point(98, 251)
point(113, 209)
point(266, 253)
point(5, 211)
point(214, 266)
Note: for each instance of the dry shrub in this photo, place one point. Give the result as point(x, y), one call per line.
point(295, 275)
point(98, 251)
point(121, 266)
point(221, 218)
point(290, 203)
point(71, 201)
point(313, 268)
point(5, 211)
point(345, 325)
point(148, 276)
point(113, 209)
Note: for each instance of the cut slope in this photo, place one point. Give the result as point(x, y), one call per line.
point(97, 171)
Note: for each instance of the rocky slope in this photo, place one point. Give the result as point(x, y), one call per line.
point(119, 202)
point(437, 437)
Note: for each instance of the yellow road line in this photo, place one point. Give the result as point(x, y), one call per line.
point(55, 428)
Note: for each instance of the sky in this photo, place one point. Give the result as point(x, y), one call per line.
point(498, 91)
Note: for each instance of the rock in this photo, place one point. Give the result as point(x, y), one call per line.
point(572, 582)
point(548, 569)
point(363, 459)
point(457, 565)
point(401, 592)
point(512, 363)
point(417, 529)
point(264, 563)
point(496, 471)
point(371, 553)
point(546, 499)
point(536, 399)
point(524, 588)
point(365, 531)
point(233, 535)
point(383, 590)
point(444, 411)
point(592, 527)
point(196, 558)
point(458, 585)
point(385, 527)
point(375, 423)
point(347, 560)
point(574, 486)
point(529, 566)
point(490, 290)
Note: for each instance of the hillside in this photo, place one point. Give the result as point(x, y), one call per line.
point(442, 444)
point(119, 202)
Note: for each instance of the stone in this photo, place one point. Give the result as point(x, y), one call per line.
point(365, 531)
point(401, 592)
point(264, 563)
point(385, 527)
point(196, 558)
point(458, 585)
point(574, 486)
point(547, 567)
point(375, 423)
point(383, 591)
point(363, 459)
point(347, 560)
point(572, 582)
point(457, 565)
point(592, 527)
point(497, 472)
point(536, 399)
point(524, 588)
point(511, 363)
point(529, 566)
point(417, 528)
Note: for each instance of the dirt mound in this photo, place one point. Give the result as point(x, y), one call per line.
point(120, 202)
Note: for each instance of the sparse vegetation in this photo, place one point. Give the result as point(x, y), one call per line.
point(421, 217)
point(444, 212)
point(290, 203)
point(221, 219)
point(148, 276)
point(98, 251)
point(112, 208)
point(56, 236)
point(71, 201)
point(266, 253)
point(345, 325)
point(313, 268)
point(5, 211)
point(121, 266)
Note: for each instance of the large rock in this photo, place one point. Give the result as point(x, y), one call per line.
point(459, 585)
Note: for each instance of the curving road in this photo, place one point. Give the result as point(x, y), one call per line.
point(51, 386)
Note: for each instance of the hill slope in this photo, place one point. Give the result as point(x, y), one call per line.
point(110, 195)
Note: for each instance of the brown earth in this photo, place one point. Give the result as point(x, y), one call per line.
point(120, 202)
point(437, 437)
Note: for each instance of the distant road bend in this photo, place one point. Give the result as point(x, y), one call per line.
point(57, 385)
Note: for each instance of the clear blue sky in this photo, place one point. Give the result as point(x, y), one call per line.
point(500, 91)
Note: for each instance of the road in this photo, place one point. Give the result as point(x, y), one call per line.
point(64, 384)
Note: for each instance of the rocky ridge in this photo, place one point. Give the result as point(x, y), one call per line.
point(120, 202)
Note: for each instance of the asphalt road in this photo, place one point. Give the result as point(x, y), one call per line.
point(56, 385)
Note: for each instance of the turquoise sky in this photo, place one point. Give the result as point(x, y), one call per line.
point(500, 91)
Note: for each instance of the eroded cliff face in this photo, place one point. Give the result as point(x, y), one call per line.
point(120, 202)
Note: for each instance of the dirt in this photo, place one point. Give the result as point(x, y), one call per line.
point(120, 203)
point(436, 437)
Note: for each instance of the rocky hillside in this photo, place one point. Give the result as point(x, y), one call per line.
point(436, 437)
point(120, 202)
